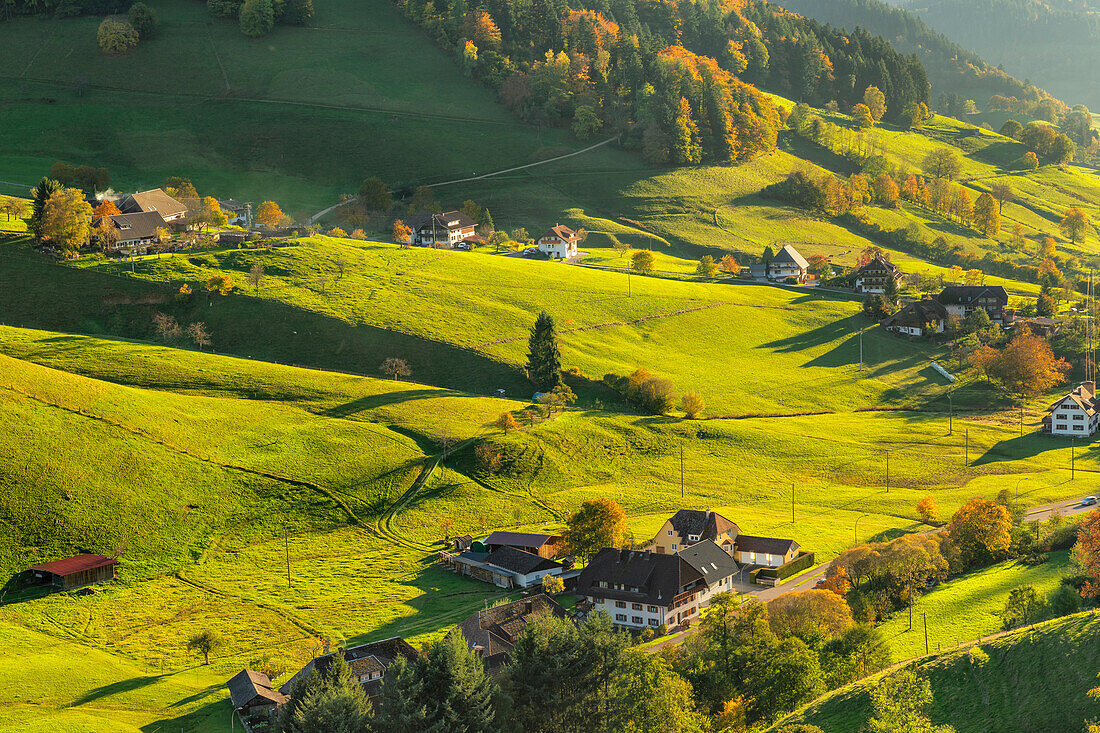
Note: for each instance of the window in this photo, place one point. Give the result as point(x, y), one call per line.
point(636, 620)
point(1060, 426)
point(651, 609)
point(693, 537)
point(1078, 417)
point(635, 607)
point(620, 617)
point(620, 604)
point(674, 545)
point(1078, 427)
point(670, 533)
point(654, 622)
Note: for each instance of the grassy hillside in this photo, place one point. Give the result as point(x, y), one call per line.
point(1035, 680)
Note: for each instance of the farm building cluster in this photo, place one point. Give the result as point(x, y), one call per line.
point(147, 215)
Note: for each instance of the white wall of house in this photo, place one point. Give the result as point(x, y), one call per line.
point(1068, 419)
point(557, 247)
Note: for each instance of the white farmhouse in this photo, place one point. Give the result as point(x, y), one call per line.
point(788, 263)
point(1076, 414)
point(559, 242)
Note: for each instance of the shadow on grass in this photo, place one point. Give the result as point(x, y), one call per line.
point(118, 688)
point(213, 716)
point(1031, 445)
point(372, 402)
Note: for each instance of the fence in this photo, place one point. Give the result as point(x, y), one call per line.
point(804, 561)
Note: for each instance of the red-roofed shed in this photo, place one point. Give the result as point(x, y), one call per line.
point(76, 571)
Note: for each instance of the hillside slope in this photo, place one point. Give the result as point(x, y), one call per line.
point(1035, 680)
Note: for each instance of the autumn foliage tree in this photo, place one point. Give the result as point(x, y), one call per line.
point(928, 510)
point(66, 220)
point(599, 523)
point(268, 214)
point(107, 208)
point(1027, 366)
point(401, 234)
point(987, 215)
point(1087, 554)
point(809, 614)
point(506, 422)
point(979, 532)
point(1074, 224)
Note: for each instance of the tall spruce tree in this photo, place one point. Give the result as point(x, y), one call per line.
point(40, 194)
point(402, 706)
point(542, 678)
point(460, 694)
point(543, 355)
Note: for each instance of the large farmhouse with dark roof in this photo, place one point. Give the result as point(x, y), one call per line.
point(646, 589)
point(689, 526)
point(962, 300)
point(873, 276)
point(544, 545)
point(135, 230)
point(448, 230)
point(154, 200)
point(1075, 415)
point(506, 566)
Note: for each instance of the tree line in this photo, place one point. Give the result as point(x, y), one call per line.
point(678, 80)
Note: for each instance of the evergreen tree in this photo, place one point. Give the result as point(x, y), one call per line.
point(541, 680)
point(257, 18)
point(402, 704)
point(40, 194)
point(890, 290)
point(343, 708)
point(686, 146)
point(460, 694)
point(543, 355)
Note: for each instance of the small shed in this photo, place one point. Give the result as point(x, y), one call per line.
point(76, 571)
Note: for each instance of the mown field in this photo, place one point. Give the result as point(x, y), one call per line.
point(1035, 679)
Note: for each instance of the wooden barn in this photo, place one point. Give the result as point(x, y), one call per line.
point(74, 572)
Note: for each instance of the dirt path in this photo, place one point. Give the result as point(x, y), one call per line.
point(321, 213)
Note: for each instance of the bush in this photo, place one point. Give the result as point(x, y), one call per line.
point(647, 634)
point(662, 630)
point(144, 20)
point(643, 390)
point(1064, 600)
point(224, 8)
point(257, 18)
point(116, 36)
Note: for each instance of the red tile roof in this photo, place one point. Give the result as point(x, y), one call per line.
point(76, 564)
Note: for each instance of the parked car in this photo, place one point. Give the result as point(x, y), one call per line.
point(1088, 501)
point(530, 251)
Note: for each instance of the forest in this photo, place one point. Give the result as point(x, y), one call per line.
point(678, 79)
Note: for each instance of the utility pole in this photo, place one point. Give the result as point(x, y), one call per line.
point(792, 502)
point(966, 460)
point(861, 348)
point(925, 632)
point(887, 472)
point(286, 544)
point(1072, 457)
point(681, 469)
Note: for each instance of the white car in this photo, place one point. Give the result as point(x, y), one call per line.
point(1088, 501)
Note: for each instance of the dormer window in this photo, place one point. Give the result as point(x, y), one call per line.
point(693, 537)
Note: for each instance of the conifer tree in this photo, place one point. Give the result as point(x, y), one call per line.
point(460, 694)
point(543, 355)
point(402, 704)
point(686, 147)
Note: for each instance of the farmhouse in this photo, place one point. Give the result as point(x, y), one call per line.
point(492, 632)
point(872, 277)
point(1075, 415)
point(154, 200)
point(367, 663)
point(788, 263)
point(543, 545)
point(918, 318)
point(505, 567)
point(688, 526)
point(76, 571)
point(961, 300)
point(238, 214)
point(559, 242)
point(639, 589)
point(252, 692)
point(769, 552)
point(135, 230)
point(450, 230)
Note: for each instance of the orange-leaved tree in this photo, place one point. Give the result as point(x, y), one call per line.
point(269, 214)
point(107, 208)
point(402, 234)
point(808, 614)
point(599, 523)
point(928, 510)
point(1027, 366)
point(978, 532)
point(1087, 553)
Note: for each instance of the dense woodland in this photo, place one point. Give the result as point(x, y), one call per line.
point(678, 78)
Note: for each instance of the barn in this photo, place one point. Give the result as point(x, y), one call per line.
point(74, 572)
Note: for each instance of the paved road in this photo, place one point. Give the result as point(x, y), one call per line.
point(807, 580)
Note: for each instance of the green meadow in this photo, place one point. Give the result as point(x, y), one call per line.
point(1035, 679)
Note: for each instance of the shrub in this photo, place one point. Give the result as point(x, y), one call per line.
point(144, 20)
point(643, 390)
point(257, 18)
point(224, 8)
point(116, 36)
point(337, 232)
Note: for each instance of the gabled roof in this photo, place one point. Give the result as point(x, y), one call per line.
point(519, 539)
point(247, 685)
point(494, 629)
point(631, 575)
point(231, 204)
point(918, 313)
point(789, 255)
point(966, 294)
point(446, 220)
point(704, 525)
point(560, 231)
point(75, 564)
point(375, 656)
point(879, 263)
point(1083, 396)
point(154, 200)
point(710, 560)
point(767, 545)
point(519, 561)
point(142, 225)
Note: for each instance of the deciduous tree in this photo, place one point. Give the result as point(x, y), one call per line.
point(107, 208)
point(205, 643)
point(928, 510)
point(143, 19)
point(222, 284)
point(987, 216)
point(552, 585)
point(116, 36)
point(706, 267)
point(401, 234)
point(980, 531)
point(375, 195)
point(506, 422)
point(395, 368)
point(257, 18)
point(692, 404)
point(66, 220)
point(256, 276)
point(875, 101)
point(106, 234)
point(1027, 366)
point(198, 333)
point(1075, 224)
point(862, 116)
point(1087, 553)
point(597, 524)
point(1023, 606)
point(901, 704)
point(268, 213)
point(642, 262)
point(810, 615)
point(943, 163)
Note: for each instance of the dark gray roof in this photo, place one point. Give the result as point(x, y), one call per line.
point(790, 255)
point(519, 561)
point(767, 545)
point(154, 200)
point(136, 226)
point(705, 525)
point(879, 264)
point(918, 313)
point(446, 220)
point(231, 204)
point(247, 685)
point(494, 630)
point(631, 575)
point(519, 539)
point(966, 294)
point(363, 657)
point(709, 559)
